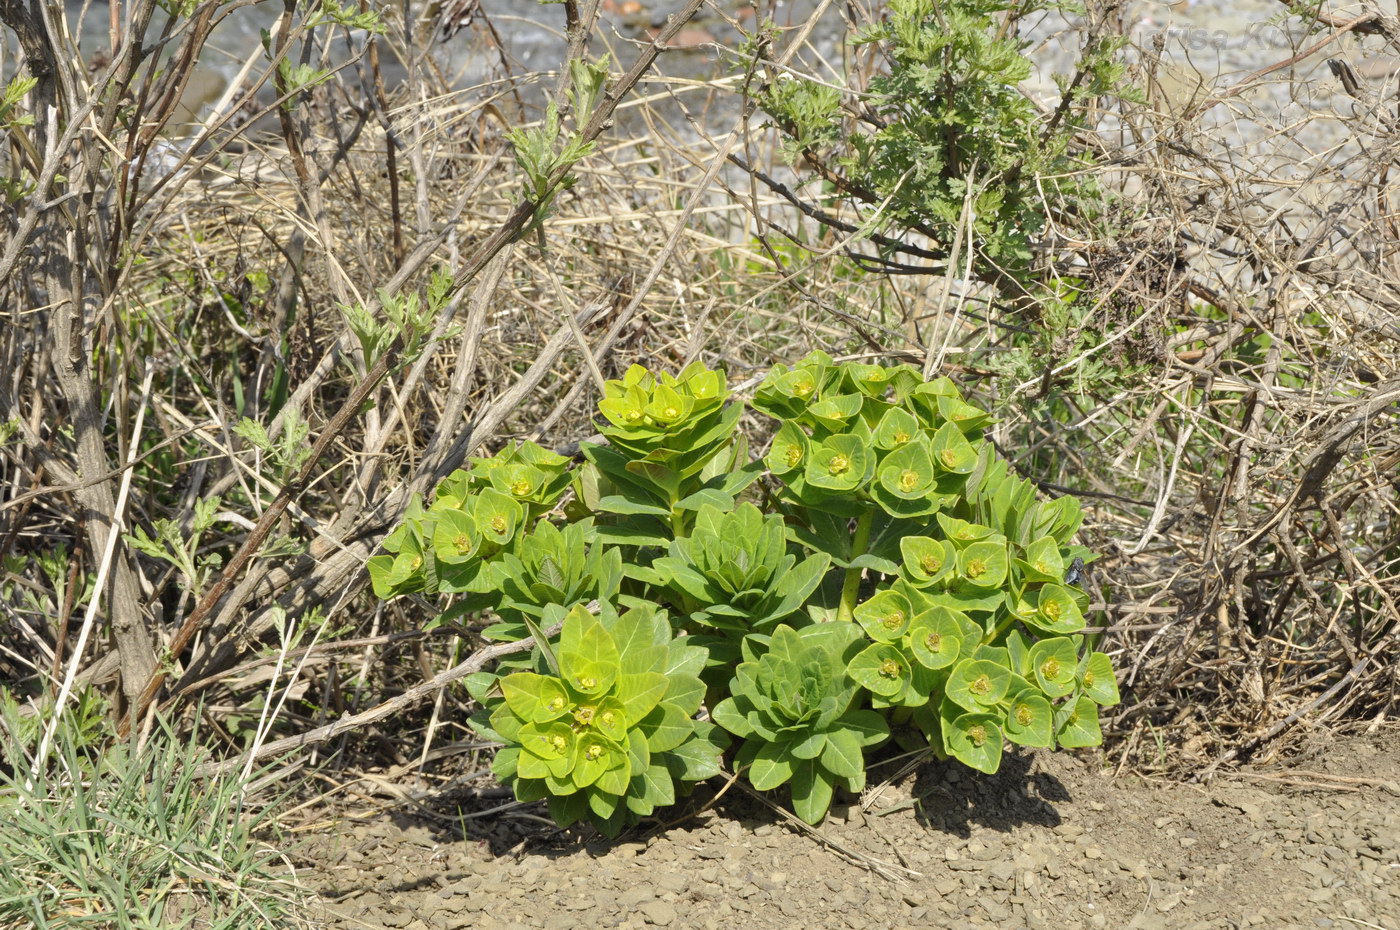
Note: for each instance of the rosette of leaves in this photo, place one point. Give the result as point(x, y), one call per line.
point(667, 420)
point(734, 575)
point(604, 727)
point(797, 713)
point(550, 567)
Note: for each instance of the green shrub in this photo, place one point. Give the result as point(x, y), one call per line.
point(947, 144)
point(878, 572)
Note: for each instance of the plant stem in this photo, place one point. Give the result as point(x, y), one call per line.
point(1001, 629)
point(851, 588)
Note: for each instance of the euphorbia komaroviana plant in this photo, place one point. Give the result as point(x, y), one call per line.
point(890, 576)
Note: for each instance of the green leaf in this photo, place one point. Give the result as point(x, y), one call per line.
point(964, 416)
point(506, 764)
point(771, 767)
point(1056, 610)
point(1042, 561)
point(968, 600)
point(961, 533)
point(506, 724)
point(634, 536)
point(537, 698)
point(867, 725)
point(603, 804)
point(812, 790)
point(797, 585)
point(832, 414)
point(1030, 720)
point(885, 616)
point(842, 754)
point(983, 564)
point(935, 638)
point(896, 427)
point(658, 789)
point(547, 749)
point(594, 756)
point(706, 497)
point(638, 634)
point(1018, 652)
point(882, 669)
point(976, 684)
point(952, 452)
point(666, 728)
point(381, 576)
point(455, 539)
point(728, 715)
point(840, 463)
point(616, 503)
point(788, 451)
point(908, 472)
point(641, 692)
point(496, 516)
point(480, 685)
point(695, 760)
point(810, 746)
point(927, 561)
point(974, 740)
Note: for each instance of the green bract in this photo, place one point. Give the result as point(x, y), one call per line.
point(607, 736)
point(795, 709)
point(890, 576)
point(534, 477)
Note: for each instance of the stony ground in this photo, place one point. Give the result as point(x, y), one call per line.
point(1050, 841)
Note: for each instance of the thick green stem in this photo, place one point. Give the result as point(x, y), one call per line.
point(850, 590)
point(678, 527)
point(1001, 629)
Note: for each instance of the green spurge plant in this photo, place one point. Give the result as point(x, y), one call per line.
point(890, 576)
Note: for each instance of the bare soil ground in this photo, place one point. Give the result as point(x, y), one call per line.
point(1049, 842)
